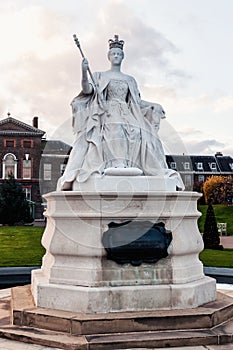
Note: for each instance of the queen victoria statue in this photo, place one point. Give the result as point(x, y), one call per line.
point(116, 131)
point(119, 235)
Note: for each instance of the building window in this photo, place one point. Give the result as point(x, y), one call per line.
point(231, 165)
point(186, 166)
point(188, 180)
point(173, 165)
point(11, 143)
point(27, 169)
point(28, 193)
point(9, 166)
point(201, 178)
point(47, 171)
point(213, 166)
point(62, 168)
point(27, 143)
point(200, 166)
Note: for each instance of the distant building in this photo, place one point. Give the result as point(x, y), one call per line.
point(20, 154)
point(54, 158)
point(35, 162)
point(194, 169)
point(38, 163)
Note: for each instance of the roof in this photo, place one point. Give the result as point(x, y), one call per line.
point(206, 162)
point(55, 147)
point(179, 161)
point(201, 163)
point(12, 126)
point(225, 163)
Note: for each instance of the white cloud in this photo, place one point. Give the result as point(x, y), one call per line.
point(40, 66)
point(198, 142)
point(204, 146)
point(31, 29)
point(223, 104)
point(41, 71)
point(146, 49)
point(37, 65)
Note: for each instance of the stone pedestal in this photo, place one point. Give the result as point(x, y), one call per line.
point(77, 276)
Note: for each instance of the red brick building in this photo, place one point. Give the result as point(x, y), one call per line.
point(35, 162)
point(20, 154)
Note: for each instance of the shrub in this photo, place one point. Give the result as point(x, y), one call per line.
point(14, 207)
point(211, 236)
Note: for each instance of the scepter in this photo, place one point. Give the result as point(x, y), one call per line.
point(103, 104)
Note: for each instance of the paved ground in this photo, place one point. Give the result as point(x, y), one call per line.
point(14, 345)
point(227, 242)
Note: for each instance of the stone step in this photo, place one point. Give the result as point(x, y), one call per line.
point(44, 337)
point(205, 317)
point(163, 339)
point(222, 334)
point(211, 324)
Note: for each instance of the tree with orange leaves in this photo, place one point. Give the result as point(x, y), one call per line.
point(218, 189)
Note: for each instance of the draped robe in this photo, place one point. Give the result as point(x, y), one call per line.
point(94, 129)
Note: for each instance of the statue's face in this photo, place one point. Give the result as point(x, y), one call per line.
point(115, 56)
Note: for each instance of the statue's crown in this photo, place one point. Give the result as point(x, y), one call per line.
point(116, 42)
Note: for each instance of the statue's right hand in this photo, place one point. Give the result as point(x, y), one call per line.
point(85, 65)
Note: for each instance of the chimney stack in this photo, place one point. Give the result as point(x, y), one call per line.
point(218, 154)
point(35, 122)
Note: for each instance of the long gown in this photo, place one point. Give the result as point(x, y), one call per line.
point(124, 136)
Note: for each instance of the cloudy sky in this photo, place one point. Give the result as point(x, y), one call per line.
point(180, 52)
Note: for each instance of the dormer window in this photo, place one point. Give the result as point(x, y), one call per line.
point(213, 166)
point(231, 166)
point(173, 165)
point(186, 166)
point(200, 166)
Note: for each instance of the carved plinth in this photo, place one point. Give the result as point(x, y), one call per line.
point(77, 276)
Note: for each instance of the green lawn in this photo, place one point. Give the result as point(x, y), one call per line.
point(21, 246)
point(217, 258)
point(223, 213)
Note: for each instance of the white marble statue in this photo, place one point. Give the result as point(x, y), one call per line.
point(116, 131)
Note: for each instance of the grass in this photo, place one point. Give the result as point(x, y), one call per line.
point(217, 258)
point(223, 213)
point(21, 246)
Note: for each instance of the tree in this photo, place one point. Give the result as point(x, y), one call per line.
point(211, 236)
point(214, 189)
point(218, 190)
point(13, 205)
point(229, 189)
